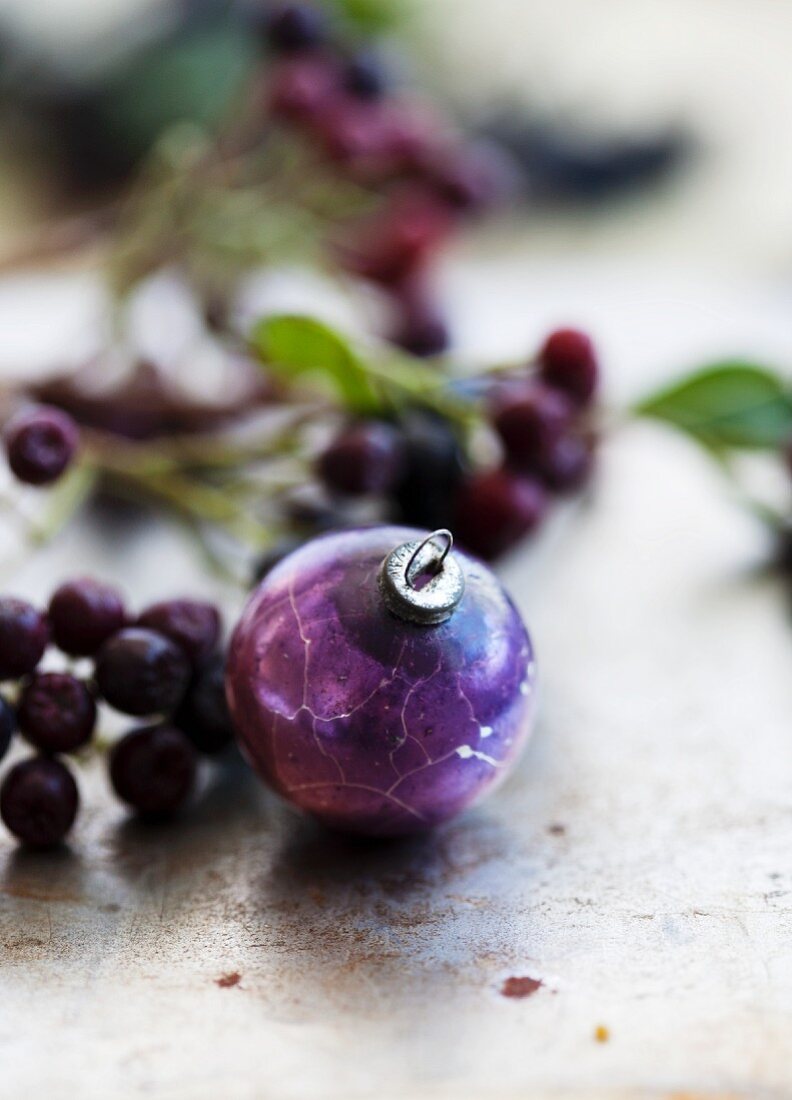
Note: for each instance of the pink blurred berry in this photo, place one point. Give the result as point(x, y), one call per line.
point(495, 509)
point(396, 243)
point(302, 89)
point(568, 362)
point(530, 421)
point(419, 326)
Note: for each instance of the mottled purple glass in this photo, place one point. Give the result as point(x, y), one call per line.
point(372, 724)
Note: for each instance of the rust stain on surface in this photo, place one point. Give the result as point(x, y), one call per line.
point(32, 890)
point(228, 981)
point(24, 941)
point(519, 988)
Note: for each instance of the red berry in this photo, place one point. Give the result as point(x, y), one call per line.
point(83, 614)
point(142, 672)
point(40, 444)
point(412, 132)
point(568, 363)
point(57, 712)
point(153, 770)
point(301, 90)
point(193, 624)
point(375, 141)
point(400, 239)
point(365, 458)
point(353, 134)
point(530, 421)
point(24, 635)
point(494, 510)
point(38, 801)
point(567, 465)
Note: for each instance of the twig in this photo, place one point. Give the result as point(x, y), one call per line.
point(61, 238)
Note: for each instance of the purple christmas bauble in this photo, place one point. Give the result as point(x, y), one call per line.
point(379, 681)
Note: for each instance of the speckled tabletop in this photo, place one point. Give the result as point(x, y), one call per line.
point(630, 885)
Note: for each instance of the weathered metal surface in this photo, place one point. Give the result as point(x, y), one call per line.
point(637, 865)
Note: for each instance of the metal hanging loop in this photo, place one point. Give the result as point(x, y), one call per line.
point(435, 600)
point(443, 533)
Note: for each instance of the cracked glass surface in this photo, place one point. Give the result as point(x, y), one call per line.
point(366, 721)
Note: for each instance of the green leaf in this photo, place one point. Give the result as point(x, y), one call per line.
point(382, 384)
point(298, 346)
point(369, 17)
point(729, 405)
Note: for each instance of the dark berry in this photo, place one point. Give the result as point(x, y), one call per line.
point(433, 469)
point(56, 712)
point(142, 672)
point(204, 715)
point(193, 624)
point(364, 458)
point(364, 77)
point(568, 362)
point(567, 465)
point(530, 421)
point(292, 28)
point(83, 614)
point(8, 725)
point(301, 90)
point(275, 555)
point(311, 509)
point(40, 444)
point(355, 135)
point(782, 557)
point(410, 134)
point(153, 770)
point(494, 510)
point(38, 801)
point(24, 635)
point(420, 327)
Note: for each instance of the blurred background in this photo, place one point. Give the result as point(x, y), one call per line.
point(452, 178)
point(715, 72)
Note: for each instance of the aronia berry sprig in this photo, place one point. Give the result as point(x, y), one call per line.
point(382, 431)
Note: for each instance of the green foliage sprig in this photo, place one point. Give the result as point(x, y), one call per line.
point(728, 406)
point(732, 408)
point(370, 382)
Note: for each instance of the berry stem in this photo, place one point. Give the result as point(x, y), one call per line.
point(64, 501)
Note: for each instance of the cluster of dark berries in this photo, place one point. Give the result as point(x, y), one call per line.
point(542, 415)
point(40, 443)
point(370, 132)
point(543, 419)
point(165, 666)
